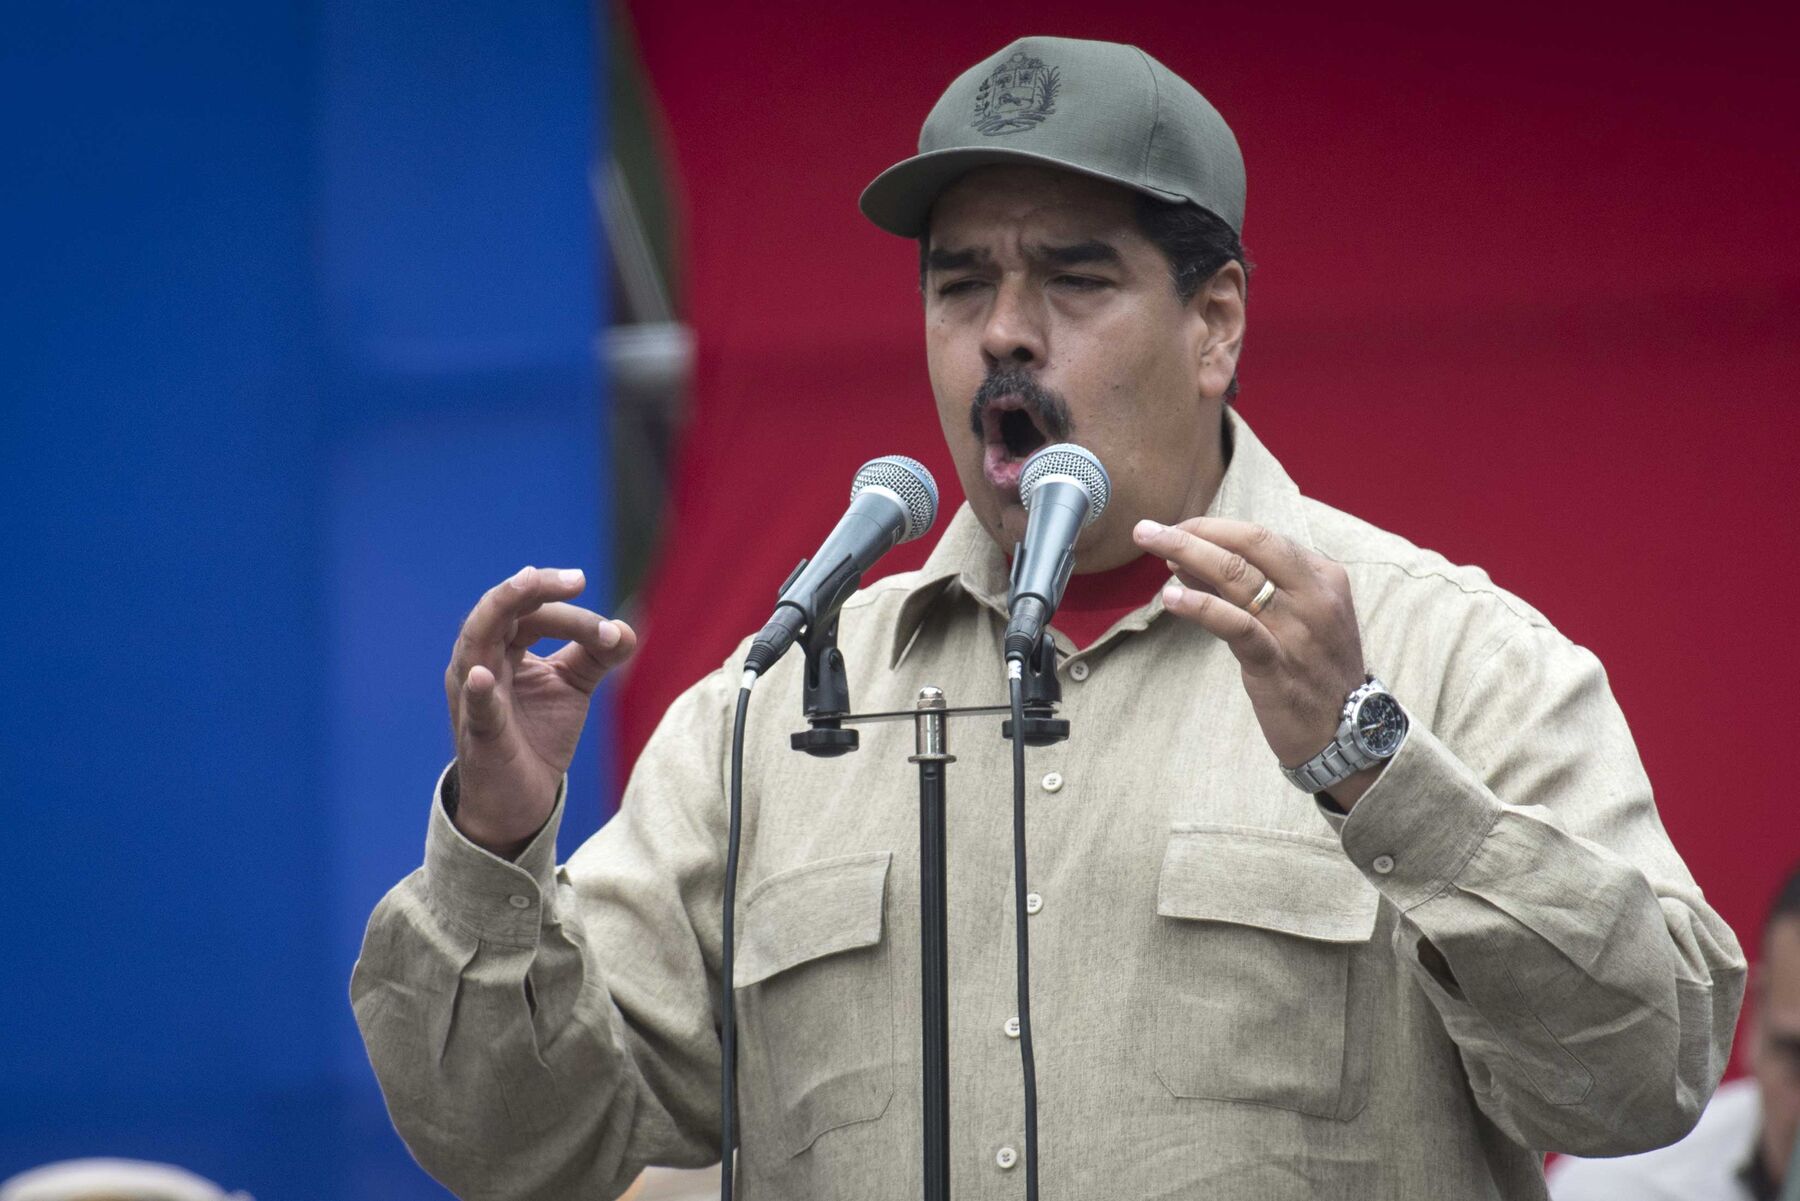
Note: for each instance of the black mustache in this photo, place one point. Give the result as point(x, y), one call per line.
point(1050, 409)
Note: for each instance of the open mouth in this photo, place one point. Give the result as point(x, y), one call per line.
point(1009, 435)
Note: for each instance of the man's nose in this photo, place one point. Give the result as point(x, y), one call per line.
point(1014, 331)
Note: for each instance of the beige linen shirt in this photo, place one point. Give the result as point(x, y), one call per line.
point(1234, 996)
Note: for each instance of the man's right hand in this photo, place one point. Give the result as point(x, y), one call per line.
point(517, 716)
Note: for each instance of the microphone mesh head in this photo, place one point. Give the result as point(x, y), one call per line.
point(907, 479)
point(1066, 460)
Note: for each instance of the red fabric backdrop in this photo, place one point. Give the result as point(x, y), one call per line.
point(1526, 293)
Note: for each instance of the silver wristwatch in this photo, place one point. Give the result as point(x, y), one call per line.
point(1371, 729)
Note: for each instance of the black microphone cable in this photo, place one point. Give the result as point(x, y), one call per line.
point(1064, 490)
point(728, 1072)
point(893, 499)
point(1021, 940)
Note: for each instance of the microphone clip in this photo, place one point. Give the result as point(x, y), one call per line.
point(824, 696)
point(1041, 692)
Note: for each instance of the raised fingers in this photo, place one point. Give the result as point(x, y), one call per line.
point(490, 625)
point(1254, 644)
point(1284, 561)
point(1201, 563)
point(554, 619)
point(594, 647)
point(604, 646)
point(480, 707)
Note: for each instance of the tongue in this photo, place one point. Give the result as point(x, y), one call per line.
point(1002, 468)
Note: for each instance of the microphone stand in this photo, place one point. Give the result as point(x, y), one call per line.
point(931, 753)
point(825, 700)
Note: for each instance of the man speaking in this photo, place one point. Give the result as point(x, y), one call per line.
point(1348, 882)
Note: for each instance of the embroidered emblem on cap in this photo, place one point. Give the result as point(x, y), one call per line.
point(1020, 93)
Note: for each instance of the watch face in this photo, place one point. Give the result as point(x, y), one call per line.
point(1380, 725)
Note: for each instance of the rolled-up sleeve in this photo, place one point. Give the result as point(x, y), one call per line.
point(545, 1032)
point(1590, 989)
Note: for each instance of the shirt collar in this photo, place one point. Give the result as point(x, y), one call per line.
point(968, 562)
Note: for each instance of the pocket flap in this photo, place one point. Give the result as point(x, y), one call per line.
point(805, 912)
point(1298, 884)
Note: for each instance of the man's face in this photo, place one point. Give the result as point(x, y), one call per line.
point(1050, 317)
point(1775, 1039)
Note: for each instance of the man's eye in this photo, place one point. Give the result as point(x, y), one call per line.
point(957, 287)
point(1080, 283)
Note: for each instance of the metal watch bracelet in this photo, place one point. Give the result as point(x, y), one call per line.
point(1330, 767)
point(1342, 757)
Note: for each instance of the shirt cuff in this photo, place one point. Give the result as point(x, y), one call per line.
point(1422, 819)
point(494, 899)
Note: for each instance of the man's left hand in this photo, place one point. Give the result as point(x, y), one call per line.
point(1300, 655)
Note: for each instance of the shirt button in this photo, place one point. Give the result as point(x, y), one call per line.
point(1383, 864)
point(1053, 782)
point(1006, 1157)
point(1012, 1027)
point(1033, 902)
point(518, 902)
point(1078, 670)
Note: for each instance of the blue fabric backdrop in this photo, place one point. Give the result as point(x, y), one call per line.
point(298, 319)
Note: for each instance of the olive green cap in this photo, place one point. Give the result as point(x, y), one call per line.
point(1096, 108)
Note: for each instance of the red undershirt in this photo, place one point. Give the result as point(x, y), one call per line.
point(1091, 603)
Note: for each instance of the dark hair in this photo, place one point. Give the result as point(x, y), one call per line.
point(1786, 903)
point(1195, 242)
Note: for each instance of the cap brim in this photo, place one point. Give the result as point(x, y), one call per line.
point(899, 200)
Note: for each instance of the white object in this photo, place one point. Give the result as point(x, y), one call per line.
point(125, 1179)
point(677, 1184)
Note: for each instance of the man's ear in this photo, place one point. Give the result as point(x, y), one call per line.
point(1218, 309)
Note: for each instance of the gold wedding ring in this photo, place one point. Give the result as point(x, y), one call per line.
point(1261, 598)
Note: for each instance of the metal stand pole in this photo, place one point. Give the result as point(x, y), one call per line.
point(826, 701)
point(934, 940)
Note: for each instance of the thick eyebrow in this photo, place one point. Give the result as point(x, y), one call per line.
point(1076, 255)
point(1080, 253)
point(955, 260)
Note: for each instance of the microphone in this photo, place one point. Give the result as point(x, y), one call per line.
point(1064, 489)
point(893, 499)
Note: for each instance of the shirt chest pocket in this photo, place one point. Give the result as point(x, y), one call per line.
point(1264, 949)
point(815, 1001)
